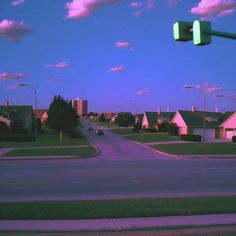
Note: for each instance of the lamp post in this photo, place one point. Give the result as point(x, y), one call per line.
point(204, 106)
point(35, 105)
point(225, 96)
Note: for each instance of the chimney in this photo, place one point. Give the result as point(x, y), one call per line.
point(159, 110)
point(7, 104)
point(193, 109)
point(216, 109)
point(168, 109)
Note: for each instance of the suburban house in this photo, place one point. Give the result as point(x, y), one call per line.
point(149, 120)
point(42, 114)
point(22, 116)
point(217, 125)
point(228, 125)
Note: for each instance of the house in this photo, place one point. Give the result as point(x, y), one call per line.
point(149, 120)
point(138, 119)
point(227, 128)
point(42, 114)
point(191, 122)
point(20, 116)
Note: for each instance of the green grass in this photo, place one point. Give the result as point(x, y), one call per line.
point(123, 131)
point(197, 148)
point(106, 124)
point(146, 138)
point(98, 209)
point(49, 138)
point(57, 151)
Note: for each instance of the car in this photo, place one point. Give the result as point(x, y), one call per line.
point(99, 132)
point(90, 128)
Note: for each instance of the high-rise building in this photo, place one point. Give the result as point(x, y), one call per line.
point(81, 106)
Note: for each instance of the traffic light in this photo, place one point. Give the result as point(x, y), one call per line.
point(201, 32)
point(183, 31)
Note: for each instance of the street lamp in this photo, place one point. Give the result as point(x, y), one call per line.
point(35, 105)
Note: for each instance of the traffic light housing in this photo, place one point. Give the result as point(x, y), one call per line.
point(201, 32)
point(183, 31)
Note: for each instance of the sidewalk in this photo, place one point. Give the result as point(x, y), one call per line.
point(116, 224)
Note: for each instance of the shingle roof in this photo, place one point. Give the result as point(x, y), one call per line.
point(165, 116)
point(16, 113)
point(195, 119)
point(226, 116)
point(151, 117)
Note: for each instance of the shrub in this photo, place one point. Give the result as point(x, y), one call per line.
point(17, 138)
point(3, 128)
point(234, 139)
point(173, 129)
point(162, 127)
point(191, 137)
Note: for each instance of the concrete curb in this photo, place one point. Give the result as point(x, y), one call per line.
point(117, 224)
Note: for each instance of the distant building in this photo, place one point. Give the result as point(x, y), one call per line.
point(81, 106)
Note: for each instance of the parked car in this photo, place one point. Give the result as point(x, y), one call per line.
point(99, 132)
point(90, 128)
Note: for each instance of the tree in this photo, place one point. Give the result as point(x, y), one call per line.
point(124, 119)
point(61, 115)
point(3, 128)
point(173, 129)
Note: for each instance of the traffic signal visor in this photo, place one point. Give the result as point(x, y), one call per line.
point(183, 31)
point(201, 32)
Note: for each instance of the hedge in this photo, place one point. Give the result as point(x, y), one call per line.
point(234, 139)
point(191, 137)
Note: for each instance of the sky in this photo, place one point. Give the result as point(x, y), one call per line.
point(120, 55)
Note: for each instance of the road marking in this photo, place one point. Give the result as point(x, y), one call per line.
point(152, 180)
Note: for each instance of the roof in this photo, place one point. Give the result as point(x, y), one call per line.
point(226, 116)
point(165, 116)
point(16, 113)
point(195, 119)
point(139, 116)
point(151, 117)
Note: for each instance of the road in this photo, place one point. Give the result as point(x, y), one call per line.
point(123, 169)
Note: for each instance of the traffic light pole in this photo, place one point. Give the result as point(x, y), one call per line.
point(221, 34)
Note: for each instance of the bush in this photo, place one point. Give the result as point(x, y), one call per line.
point(3, 128)
point(234, 139)
point(162, 127)
point(17, 138)
point(75, 133)
point(191, 137)
point(173, 129)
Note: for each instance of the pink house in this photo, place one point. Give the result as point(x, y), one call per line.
point(228, 125)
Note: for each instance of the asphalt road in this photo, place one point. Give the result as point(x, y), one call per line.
point(123, 169)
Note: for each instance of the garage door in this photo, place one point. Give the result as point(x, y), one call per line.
point(229, 134)
point(209, 133)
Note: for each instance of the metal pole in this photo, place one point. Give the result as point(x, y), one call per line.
point(221, 34)
point(204, 117)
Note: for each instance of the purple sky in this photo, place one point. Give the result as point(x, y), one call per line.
point(119, 55)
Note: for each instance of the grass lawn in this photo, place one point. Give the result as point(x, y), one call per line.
point(57, 151)
point(156, 137)
point(197, 148)
point(98, 209)
point(106, 124)
point(49, 138)
point(123, 131)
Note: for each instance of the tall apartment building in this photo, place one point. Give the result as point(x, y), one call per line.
point(81, 106)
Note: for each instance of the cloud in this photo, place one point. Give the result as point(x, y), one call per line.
point(124, 45)
point(142, 92)
point(172, 2)
point(8, 76)
point(54, 80)
point(14, 30)
point(83, 8)
point(117, 69)
point(60, 65)
point(142, 6)
point(211, 8)
point(136, 4)
point(17, 3)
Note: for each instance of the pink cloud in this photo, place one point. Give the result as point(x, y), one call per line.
point(17, 2)
point(136, 4)
point(150, 4)
point(142, 92)
point(84, 8)
point(124, 45)
point(211, 8)
point(138, 13)
point(13, 30)
point(60, 65)
point(117, 69)
point(8, 76)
